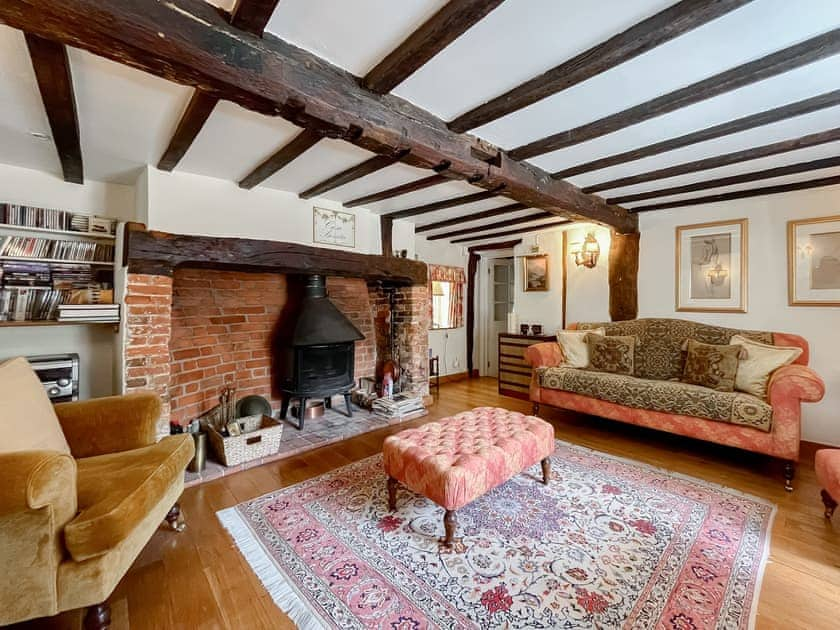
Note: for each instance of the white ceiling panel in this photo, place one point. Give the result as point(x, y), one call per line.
point(751, 32)
point(388, 177)
point(22, 109)
point(785, 130)
point(517, 41)
point(352, 35)
point(234, 141)
point(320, 162)
point(126, 117)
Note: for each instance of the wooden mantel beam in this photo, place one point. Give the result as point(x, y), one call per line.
point(190, 42)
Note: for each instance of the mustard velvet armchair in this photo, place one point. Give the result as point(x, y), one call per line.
point(80, 499)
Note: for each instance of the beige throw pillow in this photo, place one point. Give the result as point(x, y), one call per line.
point(758, 362)
point(574, 346)
point(27, 418)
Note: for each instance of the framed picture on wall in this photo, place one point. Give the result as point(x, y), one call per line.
point(535, 272)
point(333, 227)
point(711, 267)
point(814, 262)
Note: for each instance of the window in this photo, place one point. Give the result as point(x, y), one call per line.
point(442, 304)
point(446, 290)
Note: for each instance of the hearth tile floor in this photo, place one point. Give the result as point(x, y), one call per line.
point(332, 427)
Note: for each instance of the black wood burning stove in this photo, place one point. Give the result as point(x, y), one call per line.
point(317, 360)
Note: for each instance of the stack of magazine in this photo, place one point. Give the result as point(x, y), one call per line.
point(89, 313)
point(399, 407)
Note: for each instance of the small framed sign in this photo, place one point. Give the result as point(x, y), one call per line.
point(814, 262)
point(333, 227)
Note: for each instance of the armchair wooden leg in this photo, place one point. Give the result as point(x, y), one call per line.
point(98, 617)
point(546, 470)
point(173, 518)
point(789, 472)
point(829, 502)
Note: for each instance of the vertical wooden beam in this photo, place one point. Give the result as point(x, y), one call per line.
point(55, 81)
point(253, 15)
point(564, 276)
point(623, 276)
point(195, 115)
point(472, 267)
point(386, 229)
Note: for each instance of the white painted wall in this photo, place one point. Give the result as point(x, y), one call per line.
point(94, 344)
point(767, 304)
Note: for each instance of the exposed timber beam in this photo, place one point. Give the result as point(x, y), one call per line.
point(371, 165)
point(386, 232)
point(498, 245)
point(253, 15)
point(195, 115)
point(435, 34)
point(473, 216)
point(525, 230)
point(396, 191)
point(742, 194)
point(55, 82)
point(774, 148)
point(796, 56)
point(492, 226)
point(446, 203)
point(791, 110)
point(779, 171)
point(674, 21)
point(190, 42)
point(305, 140)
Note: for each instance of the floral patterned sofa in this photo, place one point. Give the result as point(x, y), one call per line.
point(654, 397)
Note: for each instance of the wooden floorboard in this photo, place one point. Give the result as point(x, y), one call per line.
point(198, 579)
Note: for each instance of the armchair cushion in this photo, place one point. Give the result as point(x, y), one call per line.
point(116, 491)
point(27, 419)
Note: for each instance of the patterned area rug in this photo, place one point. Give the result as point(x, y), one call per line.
point(610, 543)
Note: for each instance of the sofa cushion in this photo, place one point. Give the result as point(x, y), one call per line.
point(574, 346)
point(659, 352)
point(664, 396)
point(611, 354)
point(27, 418)
point(711, 365)
point(116, 491)
point(758, 362)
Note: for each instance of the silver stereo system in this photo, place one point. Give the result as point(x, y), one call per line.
point(59, 374)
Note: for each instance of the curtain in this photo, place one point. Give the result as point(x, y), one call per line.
point(457, 277)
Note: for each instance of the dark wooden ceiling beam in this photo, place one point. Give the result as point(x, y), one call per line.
point(55, 82)
point(474, 216)
point(396, 191)
point(302, 142)
point(446, 203)
point(371, 165)
point(791, 110)
point(435, 34)
point(779, 171)
point(492, 226)
point(774, 148)
point(525, 230)
point(488, 246)
point(253, 15)
point(674, 21)
point(742, 194)
point(195, 115)
point(192, 43)
point(796, 56)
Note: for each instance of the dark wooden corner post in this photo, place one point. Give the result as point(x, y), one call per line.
point(386, 229)
point(623, 276)
point(472, 267)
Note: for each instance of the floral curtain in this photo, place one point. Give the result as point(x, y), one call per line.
point(456, 276)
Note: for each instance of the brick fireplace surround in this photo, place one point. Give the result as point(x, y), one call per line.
point(189, 333)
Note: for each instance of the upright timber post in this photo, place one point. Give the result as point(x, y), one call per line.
point(623, 276)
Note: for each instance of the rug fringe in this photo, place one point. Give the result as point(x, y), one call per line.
point(272, 578)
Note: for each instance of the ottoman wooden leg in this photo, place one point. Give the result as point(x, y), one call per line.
point(789, 472)
point(392, 494)
point(546, 469)
point(450, 524)
point(829, 503)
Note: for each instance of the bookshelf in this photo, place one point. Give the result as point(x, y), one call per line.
point(56, 267)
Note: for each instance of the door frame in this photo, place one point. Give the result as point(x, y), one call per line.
point(482, 306)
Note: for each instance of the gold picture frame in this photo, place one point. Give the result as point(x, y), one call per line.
point(814, 260)
point(535, 272)
point(711, 266)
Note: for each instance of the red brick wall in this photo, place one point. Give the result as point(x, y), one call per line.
point(351, 297)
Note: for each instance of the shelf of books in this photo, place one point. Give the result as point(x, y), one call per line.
point(49, 279)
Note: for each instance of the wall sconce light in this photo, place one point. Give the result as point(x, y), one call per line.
point(717, 275)
point(586, 254)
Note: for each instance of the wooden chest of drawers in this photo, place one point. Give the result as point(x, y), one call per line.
point(514, 372)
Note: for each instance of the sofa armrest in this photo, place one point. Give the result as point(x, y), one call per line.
point(545, 354)
point(37, 479)
point(110, 425)
point(795, 382)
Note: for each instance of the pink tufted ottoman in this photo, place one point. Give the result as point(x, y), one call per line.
point(827, 465)
point(456, 460)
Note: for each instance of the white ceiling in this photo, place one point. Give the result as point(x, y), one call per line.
point(127, 117)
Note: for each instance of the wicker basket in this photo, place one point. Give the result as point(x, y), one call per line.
point(260, 438)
